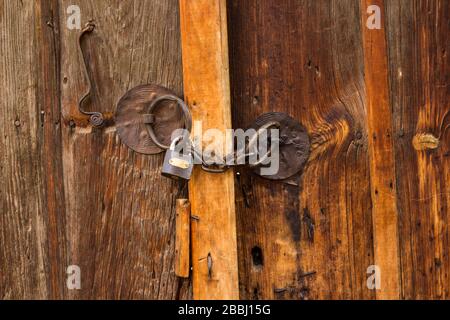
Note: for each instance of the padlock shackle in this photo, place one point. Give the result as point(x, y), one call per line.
point(175, 141)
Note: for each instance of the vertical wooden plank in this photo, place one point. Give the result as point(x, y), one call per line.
point(50, 142)
point(21, 223)
point(120, 211)
point(182, 238)
point(32, 224)
point(419, 62)
point(381, 151)
point(206, 88)
point(309, 237)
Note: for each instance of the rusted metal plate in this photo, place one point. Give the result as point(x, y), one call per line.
point(132, 113)
point(294, 144)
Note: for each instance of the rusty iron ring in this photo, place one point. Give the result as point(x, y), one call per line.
point(294, 145)
point(187, 119)
point(132, 118)
point(215, 168)
point(255, 138)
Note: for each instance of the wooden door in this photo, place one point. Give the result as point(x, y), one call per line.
point(73, 194)
point(372, 200)
point(375, 190)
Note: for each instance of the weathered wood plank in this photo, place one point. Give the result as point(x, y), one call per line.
point(75, 195)
point(31, 224)
point(381, 151)
point(182, 238)
point(50, 141)
point(120, 212)
point(117, 228)
point(419, 63)
point(207, 91)
point(310, 237)
point(20, 194)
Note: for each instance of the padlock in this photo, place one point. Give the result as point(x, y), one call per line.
point(177, 165)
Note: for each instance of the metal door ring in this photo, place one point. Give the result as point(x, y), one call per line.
point(133, 120)
point(186, 114)
point(294, 145)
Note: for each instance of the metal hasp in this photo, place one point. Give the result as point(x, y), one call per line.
point(147, 115)
point(294, 144)
point(95, 118)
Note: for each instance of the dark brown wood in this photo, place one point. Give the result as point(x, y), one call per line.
point(313, 237)
point(310, 237)
point(419, 66)
point(49, 109)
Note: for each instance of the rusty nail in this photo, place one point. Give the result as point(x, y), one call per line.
point(307, 274)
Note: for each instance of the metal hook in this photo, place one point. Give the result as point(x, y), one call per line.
point(96, 118)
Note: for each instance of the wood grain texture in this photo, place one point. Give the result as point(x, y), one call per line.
point(24, 260)
point(419, 65)
point(75, 195)
point(207, 91)
point(32, 263)
point(49, 108)
point(309, 237)
point(120, 211)
point(381, 151)
point(182, 238)
point(300, 56)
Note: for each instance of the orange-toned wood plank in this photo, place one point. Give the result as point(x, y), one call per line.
point(182, 238)
point(207, 91)
point(381, 154)
point(420, 64)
